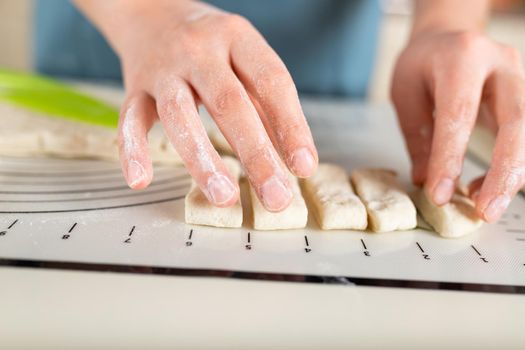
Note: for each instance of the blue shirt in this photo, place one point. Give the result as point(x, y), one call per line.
point(328, 46)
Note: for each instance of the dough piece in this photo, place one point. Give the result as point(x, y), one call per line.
point(389, 207)
point(293, 217)
point(455, 219)
point(27, 133)
point(422, 224)
point(199, 211)
point(335, 204)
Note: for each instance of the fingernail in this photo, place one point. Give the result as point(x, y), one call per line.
point(275, 195)
point(443, 191)
point(220, 188)
point(496, 208)
point(302, 162)
point(136, 173)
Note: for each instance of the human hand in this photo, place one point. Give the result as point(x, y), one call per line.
point(439, 83)
point(178, 54)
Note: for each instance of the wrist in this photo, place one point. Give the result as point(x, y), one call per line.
point(125, 22)
point(432, 17)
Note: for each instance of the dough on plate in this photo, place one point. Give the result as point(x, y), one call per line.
point(293, 217)
point(389, 207)
point(198, 210)
point(454, 219)
point(27, 133)
point(335, 204)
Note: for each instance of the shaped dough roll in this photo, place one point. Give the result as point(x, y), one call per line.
point(389, 207)
point(293, 217)
point(454, 219)
point(334, 202)
point(198, 210)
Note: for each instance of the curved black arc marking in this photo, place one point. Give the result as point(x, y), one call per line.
point(127, 195)
point(104, 189)
point(79, 173)
point(93, 209)
point(86, 180)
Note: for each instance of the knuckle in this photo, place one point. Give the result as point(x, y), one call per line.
point(164, 107)
point(254, 158)
point(190, 41)
point(235, 22)
point(457, 112)
point(512, 174)
point(445, 165)
point(226, 100)
point(469, 41)
point(273, 77)
point(217, 28)
point(286, 132)
point(172, 100)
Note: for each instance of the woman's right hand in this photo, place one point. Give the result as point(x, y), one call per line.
point(178, 54)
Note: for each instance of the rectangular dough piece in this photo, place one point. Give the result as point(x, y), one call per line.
point(452, 220)
point(293, 217)
point(334, 202)
point(389, 207)
point(199, 211)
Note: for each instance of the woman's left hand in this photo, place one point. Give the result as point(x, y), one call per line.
point(440, 81)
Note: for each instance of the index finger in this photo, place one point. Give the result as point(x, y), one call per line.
point(457, 96)
point(180, 118)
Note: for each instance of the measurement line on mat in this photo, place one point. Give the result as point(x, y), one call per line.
point(365, 251)
point(307, 249)
point(423, 254)
point(249, 240)
point(480, 255)
point(128, 240)
point(13, 224)
point(68, 234)
point(189, 243)
point(72, 227)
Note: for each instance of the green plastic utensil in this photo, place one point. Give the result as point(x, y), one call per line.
point(48, 96)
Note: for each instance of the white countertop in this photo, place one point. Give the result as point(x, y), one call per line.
point(63, 309)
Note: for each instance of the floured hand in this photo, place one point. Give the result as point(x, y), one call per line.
point(178, 54)
point(447, 71)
